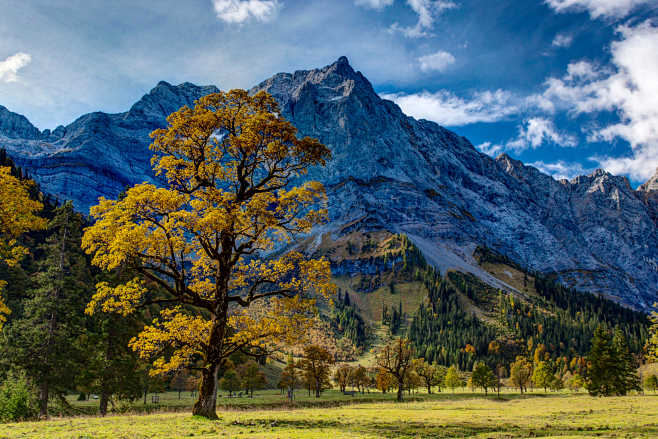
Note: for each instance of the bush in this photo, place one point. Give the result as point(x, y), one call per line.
point(17, 399)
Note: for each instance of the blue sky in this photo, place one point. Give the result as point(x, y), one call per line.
point(565, 85)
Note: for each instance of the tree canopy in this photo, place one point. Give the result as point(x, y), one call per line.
point(230, 164)
point(18, 214)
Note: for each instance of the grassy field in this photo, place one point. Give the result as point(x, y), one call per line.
point(442, 416)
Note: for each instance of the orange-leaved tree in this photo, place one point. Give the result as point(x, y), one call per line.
point(208, 239)
point(18, 214)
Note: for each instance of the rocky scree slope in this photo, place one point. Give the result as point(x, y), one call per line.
point(391, 172)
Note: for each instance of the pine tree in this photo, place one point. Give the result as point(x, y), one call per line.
point(112, 369)
point(627, 378)
point(44, 340)
point(603, 370)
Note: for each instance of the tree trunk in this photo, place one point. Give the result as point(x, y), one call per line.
point(429, 389)
point(400, 390)
point(206, 404)
point(102, 408)
point(317, 388)
point(43, 400)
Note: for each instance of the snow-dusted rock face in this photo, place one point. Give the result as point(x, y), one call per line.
point(392, 172)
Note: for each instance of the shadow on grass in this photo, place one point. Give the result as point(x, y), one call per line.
point(406, 429)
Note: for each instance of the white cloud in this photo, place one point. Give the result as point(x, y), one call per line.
point(240, 11)
point(536, 131)
point(562, 40)
point(427, 11)
point(597, 8)
point(373, 4)
point(561, 169)
point(11, 65)
point(438, 61)
point(629, 89)
point(489, 148)
point(445, 108)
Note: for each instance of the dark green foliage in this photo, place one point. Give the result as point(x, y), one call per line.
point(347, 321)
point(483, 377)
point(395, 320)
point(612, 369)
point(42, 339)
point(562, 319)
point(627, 378)
point(112, 369)
point(17, 399)
point(441, 330)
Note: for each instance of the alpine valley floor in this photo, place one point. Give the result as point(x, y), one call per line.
point(536, 415)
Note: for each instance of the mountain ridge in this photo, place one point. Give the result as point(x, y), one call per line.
point(392, 172)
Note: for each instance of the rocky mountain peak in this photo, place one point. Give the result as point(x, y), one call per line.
point(603, 181)
point(16, 126)
point(328, 84)
point(164, 99)
point(651, 185)
point(390, 172)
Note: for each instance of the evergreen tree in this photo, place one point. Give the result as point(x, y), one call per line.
point(627, 378)
point(43, 341)
point(112, 369)
point(603, 368)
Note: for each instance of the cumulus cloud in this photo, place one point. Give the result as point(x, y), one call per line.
point(533, 133)
point(489, 148)
point(597, 8)
point(536, 131)
point(240, 11)
point(562, 40)
point(445, 108)
point(427, 11)
point(373, 4)
point(561, 169)
point(627, 88)
point(11, 65)
point(438, 61)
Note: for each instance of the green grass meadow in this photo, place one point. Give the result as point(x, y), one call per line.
point(429, 416)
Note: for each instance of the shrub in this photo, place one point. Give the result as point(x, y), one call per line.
point(17, 399)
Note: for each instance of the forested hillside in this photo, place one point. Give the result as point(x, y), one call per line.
point(385, 288)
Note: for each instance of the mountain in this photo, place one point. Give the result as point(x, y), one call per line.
point(99, 154)
point(390, 172)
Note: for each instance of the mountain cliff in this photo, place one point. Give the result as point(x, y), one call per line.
point(394, 173)
point(99, 154)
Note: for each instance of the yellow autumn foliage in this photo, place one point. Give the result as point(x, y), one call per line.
point(206, 239)
point(18, 214)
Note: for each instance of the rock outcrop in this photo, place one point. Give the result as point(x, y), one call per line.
point(392, 172)
point(99, 154)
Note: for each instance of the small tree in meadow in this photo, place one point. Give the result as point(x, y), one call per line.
point(316, 365)
point(342, 376)
point(483, 377)
point(230, 382)
point(429, 373)
point(396, 359)
point(543, 376)
point(452, 378)
point(651, 382)
point(521, 373)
